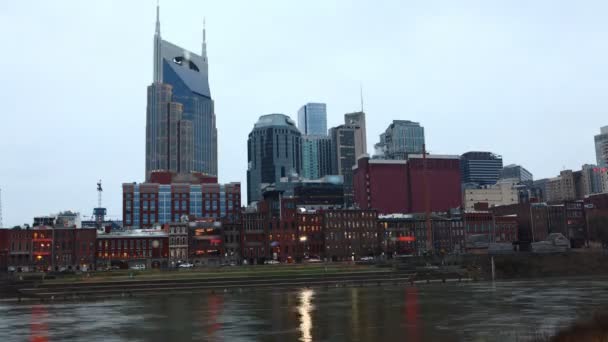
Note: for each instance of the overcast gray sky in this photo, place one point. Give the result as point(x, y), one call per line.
point(525, 79)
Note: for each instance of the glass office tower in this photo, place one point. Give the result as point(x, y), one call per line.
point(274, 150)
point(183, 75)
point(312, 119)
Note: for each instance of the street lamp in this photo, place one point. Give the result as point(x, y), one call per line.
point(303, 240)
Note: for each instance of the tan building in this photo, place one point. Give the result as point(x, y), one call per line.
point(567, 186)
point(502, 193)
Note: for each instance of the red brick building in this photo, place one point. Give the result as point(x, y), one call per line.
point(15, 249)
point(147, 205)
point(74, 248)
point(398, 186)
point(133, 247)
point(502, 229)
point(351, 233)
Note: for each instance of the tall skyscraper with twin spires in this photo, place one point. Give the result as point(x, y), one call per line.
point(181, 133)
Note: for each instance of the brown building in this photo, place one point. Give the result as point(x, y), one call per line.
point(15, 249)
point(500, 229)
point(351, 234)
point(254, 241)
point(133, 247)
point(206, 245)
point(310, 234)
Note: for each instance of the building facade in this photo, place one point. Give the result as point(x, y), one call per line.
point(351, 234)
point(312, 119)
point(274, 150)
point(133, 247)
point(480, 168)
point(316, 156)
point(181, 134)
point(518, 173)
point(401, 138)
point(178, 242)
point(357, 119)
point(565, 187)
point(595, 179)
point(398, 186)
point(149, 204)
point(505, 192)
point(344, 156)
point(601, 147)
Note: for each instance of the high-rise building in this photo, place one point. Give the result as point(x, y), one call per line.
point(316, 156)
point(312, 119)
point(401, 138)
point(274, 151)
point(357, 119)
point(594, 179)
point(181, 134)
point(344, 156)
point(480, 168)
point(601, 147)
point(518, 172)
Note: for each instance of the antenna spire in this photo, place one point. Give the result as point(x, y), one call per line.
point(157, 17)
point(204, 52)
point(361, 94)
point(158, 68)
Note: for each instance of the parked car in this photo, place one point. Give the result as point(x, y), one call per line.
point(186, 265)
point(313, 260)
point(271, 262)
point(367, 258)
point(139, 267)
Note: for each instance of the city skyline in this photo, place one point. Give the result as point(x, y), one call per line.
point(56, 147)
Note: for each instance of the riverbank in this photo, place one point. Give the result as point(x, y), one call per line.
point(137, 283)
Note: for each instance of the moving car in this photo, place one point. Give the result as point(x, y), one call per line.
point(186, 265)
point(139, 267)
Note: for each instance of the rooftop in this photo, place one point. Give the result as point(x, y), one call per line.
point(270, 120)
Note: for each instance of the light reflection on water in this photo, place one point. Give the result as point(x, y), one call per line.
point(503, 311)
point(305, 309)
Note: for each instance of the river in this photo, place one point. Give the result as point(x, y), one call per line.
point(501, 311)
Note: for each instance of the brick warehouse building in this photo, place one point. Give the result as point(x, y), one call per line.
point(350, 234)
point(133, 247)
point(398, 186)
point(405, 234)
point(148, 204)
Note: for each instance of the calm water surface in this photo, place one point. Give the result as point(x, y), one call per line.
point(504, 311)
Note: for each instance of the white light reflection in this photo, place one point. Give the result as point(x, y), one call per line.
point(305, 309)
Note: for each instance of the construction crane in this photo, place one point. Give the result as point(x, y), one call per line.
point(99, 213)
point(99, 191)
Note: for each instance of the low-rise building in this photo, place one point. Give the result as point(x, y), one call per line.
point(351, 234)
point(206, 242)
point(178, 242)
point(505, 192)
point(148, 247)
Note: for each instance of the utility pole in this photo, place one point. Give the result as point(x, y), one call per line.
point(427, 200)
point(1, 225)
